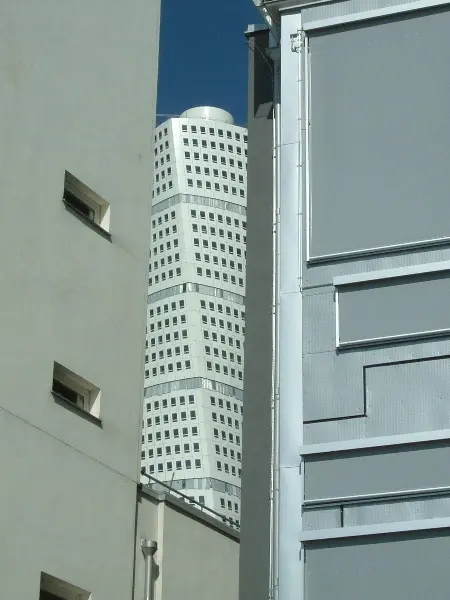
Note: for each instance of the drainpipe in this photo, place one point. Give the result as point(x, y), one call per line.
point(149, 547)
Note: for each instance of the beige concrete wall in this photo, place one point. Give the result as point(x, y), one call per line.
point(196, 559)
point(77, 93)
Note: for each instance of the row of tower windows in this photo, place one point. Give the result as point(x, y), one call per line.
point(163, 188)
point(157, 404)
point(176, 336)
point(163, 175)
point(229, 504)
point(225, 452)
point(223, 436)
point(175, 433)
point(215, 173)
point(208, 273)
point(159, 135)
point(161, 246)
point(230, 148)
point(171, 367)
point(213, 244)
point(223, 261)
point(226, 468)
point(220, 132)
point(214, 158)
point(165, 308)
point(224, 356)
point(170, 465)
point(151, 452)
point(169, 274)
point(214, 338)
point(224, 369)
point(164, 216)
point(220, 404)
point(202, 215)
point(169, 259)
point(212, 307)
point(214, 322)
point(173, 417)
point(162, 160)
point(205, 243)
point(217, 187)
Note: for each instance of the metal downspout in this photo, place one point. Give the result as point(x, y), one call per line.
point(149, 547)
point(275, 467)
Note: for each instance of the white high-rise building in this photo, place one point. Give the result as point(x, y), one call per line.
point(192, 420)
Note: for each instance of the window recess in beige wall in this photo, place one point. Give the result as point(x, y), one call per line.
point(85, 204)
point(75, 393)
point(52, 588)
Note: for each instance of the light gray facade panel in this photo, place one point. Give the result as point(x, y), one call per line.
point(359, 65)
point(287, 508)
point(398, 307)
point(400, 566)
point(333, 387)
point(290, 226)
point(334, 431)
point(382, 470)
point(291, 417)
point(288, 78)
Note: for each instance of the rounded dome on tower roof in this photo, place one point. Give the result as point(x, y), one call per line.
point(208, 112)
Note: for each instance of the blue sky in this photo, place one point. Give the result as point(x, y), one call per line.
point(203, 55)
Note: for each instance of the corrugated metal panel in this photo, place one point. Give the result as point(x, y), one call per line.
point(318, 322)
point(391, 512)
point(333, 387)
point(380, 512)
point(327, 518)
point(409, 397)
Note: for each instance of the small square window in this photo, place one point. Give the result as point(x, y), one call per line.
point(74, 392)
point(52, 588)
point(86, 204)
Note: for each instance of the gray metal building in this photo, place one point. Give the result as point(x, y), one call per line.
point(360, 490)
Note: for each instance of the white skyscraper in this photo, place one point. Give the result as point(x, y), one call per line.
point(192, 420)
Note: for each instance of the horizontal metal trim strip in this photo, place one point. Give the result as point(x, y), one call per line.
point(378, 529)
point(375, 498)
point(374, 14)
point(362, 253)
point(376, 442)
point(392, 339)
point(356, 278)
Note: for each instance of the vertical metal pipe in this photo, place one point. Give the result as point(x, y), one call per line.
point(275, 467)
point(149, 547)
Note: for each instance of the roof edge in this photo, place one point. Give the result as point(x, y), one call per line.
point(190, 511)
